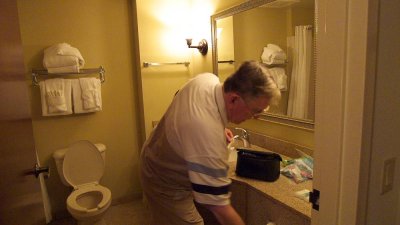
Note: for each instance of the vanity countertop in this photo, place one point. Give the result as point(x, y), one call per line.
point(282, 190)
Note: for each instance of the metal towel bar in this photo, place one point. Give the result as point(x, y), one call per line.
point(148, 64)
point(40, 72)
point(226, 61)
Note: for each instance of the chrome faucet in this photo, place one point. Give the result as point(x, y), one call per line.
point(244, 137)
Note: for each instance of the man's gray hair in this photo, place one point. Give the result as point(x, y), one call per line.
point(253, 80)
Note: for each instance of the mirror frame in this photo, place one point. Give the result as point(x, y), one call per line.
point(269, 117)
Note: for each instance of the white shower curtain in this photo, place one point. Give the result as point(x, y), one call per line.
point(300, 78)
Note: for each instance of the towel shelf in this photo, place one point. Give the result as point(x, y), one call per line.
point(39, 72)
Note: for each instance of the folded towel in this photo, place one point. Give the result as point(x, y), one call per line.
point(54, 61)
point(273, 54)
point(63, 56)
point(55, 95)
point(280, 77)
point(86, 94)
point(64, 69)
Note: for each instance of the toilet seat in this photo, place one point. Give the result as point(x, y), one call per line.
point(74, 205)
point(83, 164)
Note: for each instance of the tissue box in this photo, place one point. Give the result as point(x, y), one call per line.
point(258, 165)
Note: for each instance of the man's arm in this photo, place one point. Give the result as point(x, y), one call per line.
point(225, 214)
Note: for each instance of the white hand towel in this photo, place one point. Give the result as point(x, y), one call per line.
point(280, 77)
point(55, 95)
point(62, 106)
point(86, 94)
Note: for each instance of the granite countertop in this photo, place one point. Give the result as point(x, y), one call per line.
point(282, 190)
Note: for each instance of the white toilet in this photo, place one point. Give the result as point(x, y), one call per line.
point(81, 166)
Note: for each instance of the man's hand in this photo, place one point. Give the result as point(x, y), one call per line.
point(228, 135)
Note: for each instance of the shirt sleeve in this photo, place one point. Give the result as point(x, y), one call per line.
point(209, 180)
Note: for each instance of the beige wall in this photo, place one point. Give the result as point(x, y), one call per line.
point(102, 31)
point(163, 27)
point(161, 40)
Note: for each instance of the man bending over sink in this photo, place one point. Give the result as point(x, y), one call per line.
point(185, 159)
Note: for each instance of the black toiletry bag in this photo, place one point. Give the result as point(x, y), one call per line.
point(258, 165)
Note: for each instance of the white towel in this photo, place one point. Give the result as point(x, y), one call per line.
point(64, 69)
point(63, 56)
point(273, 54)
point(55, 95)
point(90, 101)
point(280, 77)
point(274, 47)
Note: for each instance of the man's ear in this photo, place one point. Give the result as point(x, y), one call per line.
point(232, 97)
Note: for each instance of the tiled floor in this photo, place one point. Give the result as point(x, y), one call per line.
point(132, 213)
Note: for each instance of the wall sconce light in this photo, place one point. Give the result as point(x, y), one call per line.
point(202, 47)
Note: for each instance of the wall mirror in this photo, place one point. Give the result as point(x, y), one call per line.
point(279, 33)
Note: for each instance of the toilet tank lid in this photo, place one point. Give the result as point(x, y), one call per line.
point(60, 153)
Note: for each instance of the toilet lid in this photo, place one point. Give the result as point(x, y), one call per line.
point(83, 164)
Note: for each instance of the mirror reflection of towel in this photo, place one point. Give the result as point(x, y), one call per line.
point(280, 77)
point(273, 54)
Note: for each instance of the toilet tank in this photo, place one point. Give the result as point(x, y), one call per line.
point(59, 154)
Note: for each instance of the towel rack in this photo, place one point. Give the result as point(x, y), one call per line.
point(38, 72)
point(148, 64)
point(227, 61)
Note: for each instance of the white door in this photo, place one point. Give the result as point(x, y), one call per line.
point(20, 194)
point(347, 74)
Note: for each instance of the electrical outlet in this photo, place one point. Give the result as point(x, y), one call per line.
point(388, 175)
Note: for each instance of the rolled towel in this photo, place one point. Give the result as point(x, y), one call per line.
point(71, 51)
point(274, 47)
point(62, 56)
point(273, 54)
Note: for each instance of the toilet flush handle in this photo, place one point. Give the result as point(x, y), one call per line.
point(38, 170)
